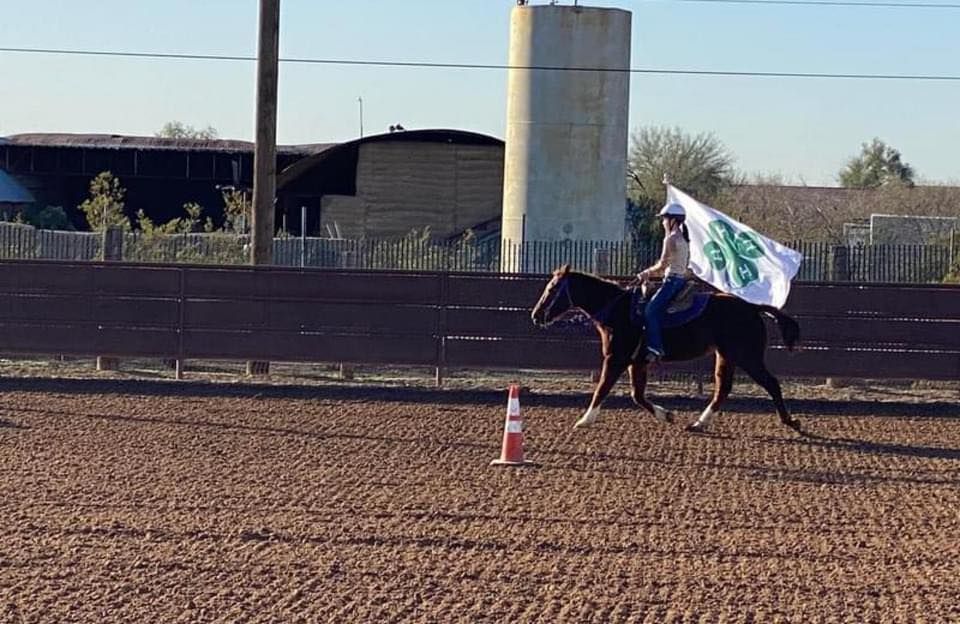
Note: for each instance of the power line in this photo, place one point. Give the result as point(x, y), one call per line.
point(828, 3)
point(429, 65)
point(144, 55)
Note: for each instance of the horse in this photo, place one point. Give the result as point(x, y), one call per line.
point(728, 326)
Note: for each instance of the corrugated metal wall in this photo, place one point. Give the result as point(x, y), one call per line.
point(407, 186)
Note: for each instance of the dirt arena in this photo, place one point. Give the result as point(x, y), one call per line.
point(129, 500)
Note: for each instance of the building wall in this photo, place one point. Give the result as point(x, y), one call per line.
point(159, 175)
point(406, 186)
point(912, 230)
point(344, 214)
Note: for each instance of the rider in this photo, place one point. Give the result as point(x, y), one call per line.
point(673, 264)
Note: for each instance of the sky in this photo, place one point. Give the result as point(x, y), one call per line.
point(803, 130)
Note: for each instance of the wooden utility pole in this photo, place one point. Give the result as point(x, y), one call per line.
point(265, 149)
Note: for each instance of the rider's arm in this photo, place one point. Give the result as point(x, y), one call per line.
point(661, 265)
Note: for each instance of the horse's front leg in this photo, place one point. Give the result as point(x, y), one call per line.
point(638, 379)
point(612, 369)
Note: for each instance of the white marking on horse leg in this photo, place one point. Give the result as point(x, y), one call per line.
point(705, 418)
point(589, 417)
point(662, 413)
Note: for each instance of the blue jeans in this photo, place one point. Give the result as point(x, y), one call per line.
point(655, 310)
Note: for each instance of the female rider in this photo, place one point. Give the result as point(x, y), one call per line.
point(673, 265)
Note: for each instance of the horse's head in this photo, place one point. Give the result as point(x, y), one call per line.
point(555, 300)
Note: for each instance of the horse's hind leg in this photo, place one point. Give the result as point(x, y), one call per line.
point(759, 373)
point(609, 374)
point(638, 383)
point(723, 382)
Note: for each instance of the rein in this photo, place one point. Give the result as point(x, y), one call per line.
point(602, 315)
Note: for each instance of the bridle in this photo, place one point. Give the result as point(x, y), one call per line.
point(562, 289)
point(599, 317)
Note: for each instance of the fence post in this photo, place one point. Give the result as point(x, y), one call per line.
point(303, 236)
point(840, 264)
point(112, 252)
point(950, 256)
point(348, 260)
point(442, 327)
point(839, 272)
point(601, 262)
point(181, 313)
point(112, 244)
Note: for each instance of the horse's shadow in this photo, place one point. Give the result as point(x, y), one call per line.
point(823, 407)
point(471, 397)
point(853, 476)
point(867, 447)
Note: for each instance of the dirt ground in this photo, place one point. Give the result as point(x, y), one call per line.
point(129, 497)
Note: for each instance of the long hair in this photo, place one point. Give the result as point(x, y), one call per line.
point(679, 220)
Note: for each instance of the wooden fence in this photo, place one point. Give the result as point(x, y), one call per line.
point(441, 320)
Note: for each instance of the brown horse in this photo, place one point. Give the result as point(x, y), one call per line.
point(728, 326)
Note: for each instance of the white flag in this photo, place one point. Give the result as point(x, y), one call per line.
point(734, 258)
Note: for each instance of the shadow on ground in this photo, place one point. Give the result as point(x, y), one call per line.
point(358, 393)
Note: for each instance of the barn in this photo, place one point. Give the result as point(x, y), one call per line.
point(387, 185)
point(378, 186)
point(12, 195)
point(159, 174)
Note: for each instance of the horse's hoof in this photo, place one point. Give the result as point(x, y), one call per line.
point(662, 414)
point(795, 425)
point(696, 427)
point(587, 419)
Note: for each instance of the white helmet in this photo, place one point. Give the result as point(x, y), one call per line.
point(672, 210)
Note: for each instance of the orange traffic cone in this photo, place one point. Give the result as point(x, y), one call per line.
point(512, 452)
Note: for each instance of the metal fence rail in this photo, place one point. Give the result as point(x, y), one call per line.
point(23, 242)
point(822, 261)
point(444, 320)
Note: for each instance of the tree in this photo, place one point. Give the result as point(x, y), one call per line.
point(768, 204)
point(180, 130)
point(44, 217)
point(104, 208)
point(181, 225)
point(237, 208)
point(699, 164)
point(877, 165)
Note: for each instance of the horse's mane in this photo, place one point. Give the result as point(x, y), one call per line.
point(597, 278)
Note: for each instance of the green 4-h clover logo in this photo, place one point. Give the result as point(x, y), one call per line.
point(733, 252)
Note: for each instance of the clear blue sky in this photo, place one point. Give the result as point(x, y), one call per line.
point(803, 129)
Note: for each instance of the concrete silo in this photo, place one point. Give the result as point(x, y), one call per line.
point(566, 135)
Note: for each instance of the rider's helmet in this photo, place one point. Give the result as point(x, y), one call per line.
point(672, 210)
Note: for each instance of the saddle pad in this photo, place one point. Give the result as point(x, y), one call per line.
point(682, 317)
point(671, 319)
point(683, 299)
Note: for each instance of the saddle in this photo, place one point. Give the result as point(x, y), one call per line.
point(685, 306)
point(682, 301)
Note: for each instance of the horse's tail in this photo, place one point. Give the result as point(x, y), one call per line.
point(789, 328)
